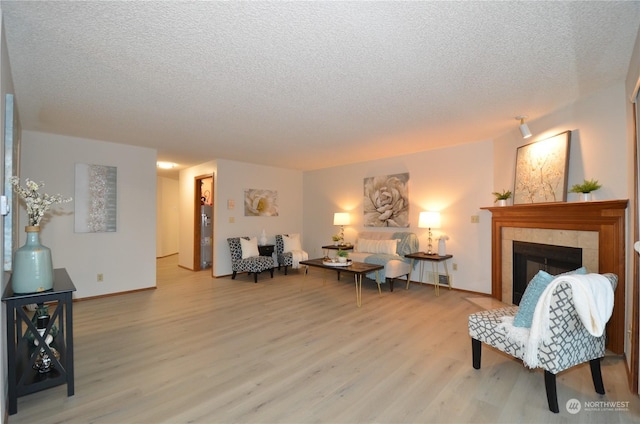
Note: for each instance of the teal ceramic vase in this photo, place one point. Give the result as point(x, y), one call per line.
point(32, 265)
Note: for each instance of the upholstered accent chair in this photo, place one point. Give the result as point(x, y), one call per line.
point(284, 252)
point(253, 264)
point(566, 344)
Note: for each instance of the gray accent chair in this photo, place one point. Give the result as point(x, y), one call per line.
point(285, 259)
point(570, 343)
point(252, 265)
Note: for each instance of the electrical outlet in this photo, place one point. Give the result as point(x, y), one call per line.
point(100, 278)
point(455, 267)
point(231, 220)
point(475, 219)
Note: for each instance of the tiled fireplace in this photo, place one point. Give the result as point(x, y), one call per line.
point(585, 240)
point(598, 228)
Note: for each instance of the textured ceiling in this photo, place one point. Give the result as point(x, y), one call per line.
point(306, 85)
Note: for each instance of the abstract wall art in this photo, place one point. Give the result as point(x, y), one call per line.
point(96, 196)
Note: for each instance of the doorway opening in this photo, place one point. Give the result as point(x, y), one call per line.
point(203, 223)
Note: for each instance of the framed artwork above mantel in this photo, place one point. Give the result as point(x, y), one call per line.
point(541, 170)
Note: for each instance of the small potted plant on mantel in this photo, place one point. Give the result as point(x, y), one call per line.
point(336, 239)
point(585, 189)
point(342, 256)
point(502, 197)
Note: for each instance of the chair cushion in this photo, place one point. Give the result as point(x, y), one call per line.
point(286, 259)
point(484, 326)
point(532, 294)
point(291, 242)
point(253, 264)
point(249, 247)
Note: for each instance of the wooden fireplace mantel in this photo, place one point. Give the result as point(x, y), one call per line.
point(605, 217)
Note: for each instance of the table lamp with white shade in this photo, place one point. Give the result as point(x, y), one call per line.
point(429, 220)
point(341, 219)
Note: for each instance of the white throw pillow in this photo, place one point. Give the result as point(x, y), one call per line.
point(388, 247)
point(291, 242)
point(249, 247)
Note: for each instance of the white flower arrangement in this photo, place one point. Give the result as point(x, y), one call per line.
point(443, 237)
point(37, 203)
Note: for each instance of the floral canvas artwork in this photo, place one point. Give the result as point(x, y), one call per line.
point(386, 201)
point(96, 198)
point(541, 170)
point(260, 202)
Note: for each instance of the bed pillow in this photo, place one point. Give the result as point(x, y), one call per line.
point(388, 247)
point(249, 247)
point(291, 242)
point(532, 293)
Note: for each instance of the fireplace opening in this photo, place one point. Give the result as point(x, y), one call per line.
point(529, 258)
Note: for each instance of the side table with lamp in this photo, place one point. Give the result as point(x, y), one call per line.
point(341, 219)
point(435, 259)
point(430, 220)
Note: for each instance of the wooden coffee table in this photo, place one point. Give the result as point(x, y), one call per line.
point(358, 269)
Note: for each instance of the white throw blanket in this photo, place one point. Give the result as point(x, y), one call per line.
point(297, 256)
point(592, 299)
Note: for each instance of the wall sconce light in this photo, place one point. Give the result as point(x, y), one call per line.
point(524, 128)
point(341, 219)
point(429, 220)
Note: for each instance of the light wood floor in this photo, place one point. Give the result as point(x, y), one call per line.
point(203, 350)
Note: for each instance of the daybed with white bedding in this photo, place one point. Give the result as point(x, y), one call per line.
point(388, 249)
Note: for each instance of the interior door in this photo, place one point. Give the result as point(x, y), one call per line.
point(203, 223)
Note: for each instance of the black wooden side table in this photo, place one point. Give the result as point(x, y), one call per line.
point(266, 249)
point(336, 247)
point(22, 354)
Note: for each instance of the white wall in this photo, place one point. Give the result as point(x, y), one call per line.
point(598, 147)
point(125, 257)
point(168, 222)
point(456, 181)
point(230, 181)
